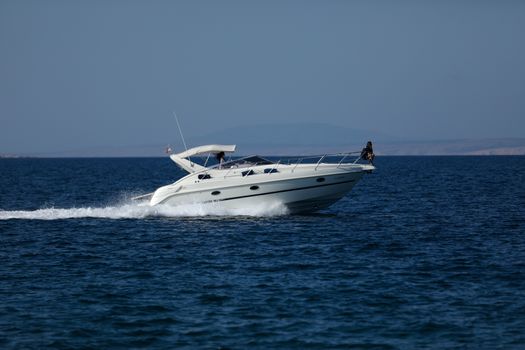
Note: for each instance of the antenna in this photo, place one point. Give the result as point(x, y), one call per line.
point(180, 130)
point(181, 135)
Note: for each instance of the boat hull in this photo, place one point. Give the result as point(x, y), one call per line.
point(298, 195)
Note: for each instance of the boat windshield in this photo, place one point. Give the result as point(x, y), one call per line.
point(246, 162)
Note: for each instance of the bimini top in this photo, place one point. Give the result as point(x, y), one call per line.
point(195, 151)
point(192, 167)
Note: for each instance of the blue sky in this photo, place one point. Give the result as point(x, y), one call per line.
point(83, 74)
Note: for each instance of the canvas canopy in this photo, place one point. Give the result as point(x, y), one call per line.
point(192, 167)
point(195, 151)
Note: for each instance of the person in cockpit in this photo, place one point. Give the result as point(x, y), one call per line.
point(220, 158)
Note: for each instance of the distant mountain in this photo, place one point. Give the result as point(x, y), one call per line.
point(291, 138)
point(9, 155)
point(500, 146)
point(314, 138)
point(307, 138)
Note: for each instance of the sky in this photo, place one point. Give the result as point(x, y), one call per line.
point(89, 74)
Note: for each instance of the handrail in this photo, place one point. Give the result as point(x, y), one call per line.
point(275, 167)
point(230, 169)
point(296, 164)
point(300, 160)
point(319, 162)
point(344, 155)
point(341, 161)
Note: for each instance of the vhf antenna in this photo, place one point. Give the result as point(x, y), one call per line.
point(180, 131)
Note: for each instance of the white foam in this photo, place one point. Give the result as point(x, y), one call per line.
point(143, 210)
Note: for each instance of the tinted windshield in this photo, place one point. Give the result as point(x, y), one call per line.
point(246, 162)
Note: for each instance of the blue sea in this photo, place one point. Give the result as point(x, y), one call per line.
point(424, 253)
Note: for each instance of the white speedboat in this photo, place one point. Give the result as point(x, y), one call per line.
point(302, 186)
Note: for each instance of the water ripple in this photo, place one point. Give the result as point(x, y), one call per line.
point(425, 253)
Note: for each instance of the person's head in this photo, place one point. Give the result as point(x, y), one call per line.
point(369, 144)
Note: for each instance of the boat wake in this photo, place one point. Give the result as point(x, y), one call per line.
point(141, 211)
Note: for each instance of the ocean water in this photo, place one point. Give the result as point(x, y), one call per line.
point(425, 253)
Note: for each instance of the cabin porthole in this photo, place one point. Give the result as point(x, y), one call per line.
point(215, 193)
point(270, 171)
point(320, 179)
point(253, 188)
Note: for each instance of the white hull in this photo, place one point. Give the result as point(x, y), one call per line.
point(299, 189)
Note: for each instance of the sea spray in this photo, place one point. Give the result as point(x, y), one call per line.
point(140, 210)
